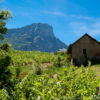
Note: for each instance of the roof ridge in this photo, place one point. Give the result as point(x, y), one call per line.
point(86, 34)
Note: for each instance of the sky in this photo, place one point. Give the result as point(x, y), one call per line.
point(70, 18)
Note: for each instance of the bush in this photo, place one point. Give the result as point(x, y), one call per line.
point(68, 58)
point(38, 70)
point(6, 47)
point(5, 73)
point(17, 72)
point(57, 62)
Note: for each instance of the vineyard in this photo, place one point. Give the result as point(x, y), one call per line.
point(45, 76)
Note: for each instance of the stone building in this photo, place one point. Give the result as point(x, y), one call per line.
point(85, 48)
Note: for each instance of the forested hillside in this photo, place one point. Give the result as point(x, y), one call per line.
point(36, 36)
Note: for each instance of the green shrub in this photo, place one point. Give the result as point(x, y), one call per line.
point(6, 47)
point(57, 62)
point(5, 73)
point(17, 72)
point(68, 58)
point(38, 71)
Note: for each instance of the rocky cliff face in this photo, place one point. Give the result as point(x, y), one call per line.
point(36, 36)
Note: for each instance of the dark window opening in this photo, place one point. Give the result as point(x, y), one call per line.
point(84, 51)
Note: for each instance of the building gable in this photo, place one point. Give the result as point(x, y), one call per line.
point(85, 44)
point(84, 48)
point(84, 37)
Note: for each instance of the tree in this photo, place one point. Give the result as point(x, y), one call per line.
point(5, 59)
point(4, 17)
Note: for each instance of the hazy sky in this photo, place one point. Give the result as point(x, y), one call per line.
point(70, 18)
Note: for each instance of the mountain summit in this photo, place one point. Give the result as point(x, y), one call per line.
point(36, 36)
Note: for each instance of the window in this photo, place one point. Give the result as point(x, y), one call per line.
point(84, 51)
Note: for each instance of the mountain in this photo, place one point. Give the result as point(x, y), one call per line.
point(36, 36)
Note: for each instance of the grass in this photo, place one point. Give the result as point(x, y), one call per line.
point(96, 68)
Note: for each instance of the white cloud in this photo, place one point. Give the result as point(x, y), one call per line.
point(55, 13)
point(79, 28)
point(80, 17)
point(81, 24)
point(84, 17)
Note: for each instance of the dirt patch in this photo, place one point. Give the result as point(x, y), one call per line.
point(23, 74)
point(45, 65)
point(55, 76)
